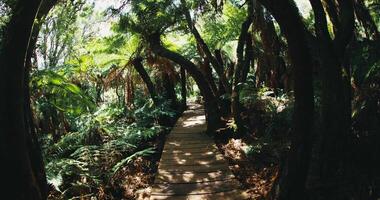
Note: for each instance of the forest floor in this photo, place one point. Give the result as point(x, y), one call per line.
point(256, 176)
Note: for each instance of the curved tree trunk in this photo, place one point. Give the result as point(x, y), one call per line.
point(17, 152)
point(211, 104)
point(33, 143)
point(145, 77)
point(218, 66)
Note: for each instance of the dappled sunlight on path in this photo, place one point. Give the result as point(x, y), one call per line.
point(191, 167)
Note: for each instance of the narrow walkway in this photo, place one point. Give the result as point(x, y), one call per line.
point(191, 167)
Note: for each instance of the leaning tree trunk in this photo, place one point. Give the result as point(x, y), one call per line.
point(293, 186)
point(145, 77)
point(218, 66)
point(16, 152)
point(210, 101)
point(207, 72)
point(236, 107)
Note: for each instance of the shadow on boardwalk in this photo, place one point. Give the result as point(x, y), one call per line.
point(191, 166)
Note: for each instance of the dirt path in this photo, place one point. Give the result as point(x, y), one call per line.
point(191, 167)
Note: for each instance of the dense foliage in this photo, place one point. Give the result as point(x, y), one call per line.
point(294, 86)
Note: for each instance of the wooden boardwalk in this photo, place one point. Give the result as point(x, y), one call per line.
point(191, 167)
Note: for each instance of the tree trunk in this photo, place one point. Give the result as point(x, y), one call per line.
point(218, 67)
point(33, 143)
point(18, 147)
point(219, 58)
point(183, 88)
point(145, 77)
point(248, 58)
point(238, 75)
point(129, 92)
point(335, 99)
point(207, 72)
point(211, 103)
point(274, 64)
point(169, 93)
point(295, 176)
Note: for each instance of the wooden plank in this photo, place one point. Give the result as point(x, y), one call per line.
point(184, 133)
point(194, 147)
point(181, 150)
point(188, 136)
point(192, 158)
point(199, 155)
point(189, 142)
point(194, 168)
point(190, 149)
point(178, 164)
point(178, 154)
point(230, 195)
point(189, 177)
point(195, 188)
point(190, 145)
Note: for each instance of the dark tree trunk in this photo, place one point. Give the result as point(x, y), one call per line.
point(169, 93)
point(293, 186)
point(218, 66)
point(335, 98)
point(137, 63)
point(19, 150)
point(183, 88)
point(236, 109)
point(207, 72)
point(32, 138)
point(248, 58)
point(219, 58)
point(211, 104)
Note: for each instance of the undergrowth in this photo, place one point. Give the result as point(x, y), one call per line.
point(84, 162)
